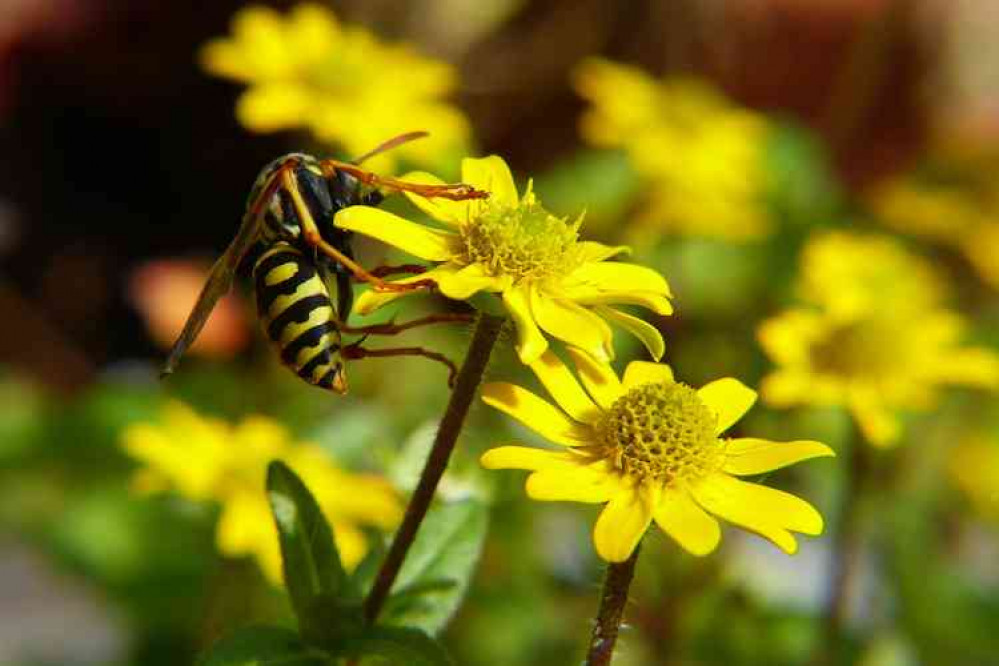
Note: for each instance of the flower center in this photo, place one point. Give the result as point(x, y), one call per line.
point(863, 349)
point(661, 432)
point(524, 241)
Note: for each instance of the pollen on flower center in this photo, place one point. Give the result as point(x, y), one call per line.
point(523, 241)
point(661, 432)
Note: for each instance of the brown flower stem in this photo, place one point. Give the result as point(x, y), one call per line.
point(613, 598)
point(487, 331)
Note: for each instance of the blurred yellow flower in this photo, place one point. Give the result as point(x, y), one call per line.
point(549, 280)
point(855, 275)
point(206, 459)
point(959, 208)
point(878, 341)
point(651, 449)
point(339, 82)
point(702, 158)
point(974, 466)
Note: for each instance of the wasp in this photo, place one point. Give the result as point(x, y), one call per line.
point(305, 266)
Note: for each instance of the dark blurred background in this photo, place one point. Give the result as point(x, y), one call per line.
point(117, 148)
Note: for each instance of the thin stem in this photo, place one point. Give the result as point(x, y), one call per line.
point(613, 598)
point(847, 551)
point(487, 331)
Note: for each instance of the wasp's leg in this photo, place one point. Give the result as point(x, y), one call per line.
point(311, 235)
point(409, 269)
point(392, 328)
point(356, 351)
point(454, 192)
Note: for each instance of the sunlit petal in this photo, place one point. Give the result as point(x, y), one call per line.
point(416, 239)
point(530, 342)
point(766, 511)
point(439, 208)
point(536, 414)
point(729, 399)
point(273, 106)
point(639, 373)
point(641, 329)
point(622, 524)
point(524, 457)
point(572, 485)
point(492, 175)
point(618, 276)
point(681, 518)
point(372, 299)
point(562, 386)
point(755, 456)
point(591, 251)
point(587, 295)
point(598, 377)
point(466, 282)
point(573, 324)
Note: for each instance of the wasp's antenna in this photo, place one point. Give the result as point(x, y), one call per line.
point(390, 144)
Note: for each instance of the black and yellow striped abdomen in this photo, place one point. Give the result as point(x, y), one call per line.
point(298, 316)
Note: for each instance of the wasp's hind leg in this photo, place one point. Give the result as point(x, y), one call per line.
point(356, 351)
point(392, 328)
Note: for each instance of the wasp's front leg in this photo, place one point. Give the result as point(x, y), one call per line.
point(452, 191)
point(356, 351)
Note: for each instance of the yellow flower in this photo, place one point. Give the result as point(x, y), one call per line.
point(508, 244)
point(958, 207)
point(974, 466)
point(339, 82)
point(209, 460)
point(855, 275)
point(651, 449)
point(703, 159)
point(879, 341)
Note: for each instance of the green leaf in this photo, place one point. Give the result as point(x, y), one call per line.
point(263, 645)
point(439, 567)
point(313, 572)
point(395, 645)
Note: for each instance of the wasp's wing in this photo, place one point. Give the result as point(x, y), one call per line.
point(218, 285)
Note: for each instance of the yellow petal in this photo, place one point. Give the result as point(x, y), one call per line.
point(594, 251)
point(729, 399)
point(641, 329)
point(755, 456)
point(597, 377)
point(222, 57)
point(562, 386)
point(536, 414)
point(786, 387)
point(273, 106)
point(622, 524)
point(877, 422)
point(577, 484)
point(970, 366)
point(619, 276)
point(765, 511)
point(524, 457)
point(588, 295)
point(530, 342)
point(680, 517)
point(573, 324)
point(314, 31)
point(492, 175)
point(642, 372)
point(466, 282)
point(416, 239)
point(442, 210)
point(371, 299)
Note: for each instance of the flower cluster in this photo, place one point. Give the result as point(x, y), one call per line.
point(339, 82)
point(702, 158)
point(874, 336)
point(647, 446)
point(205, 459)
